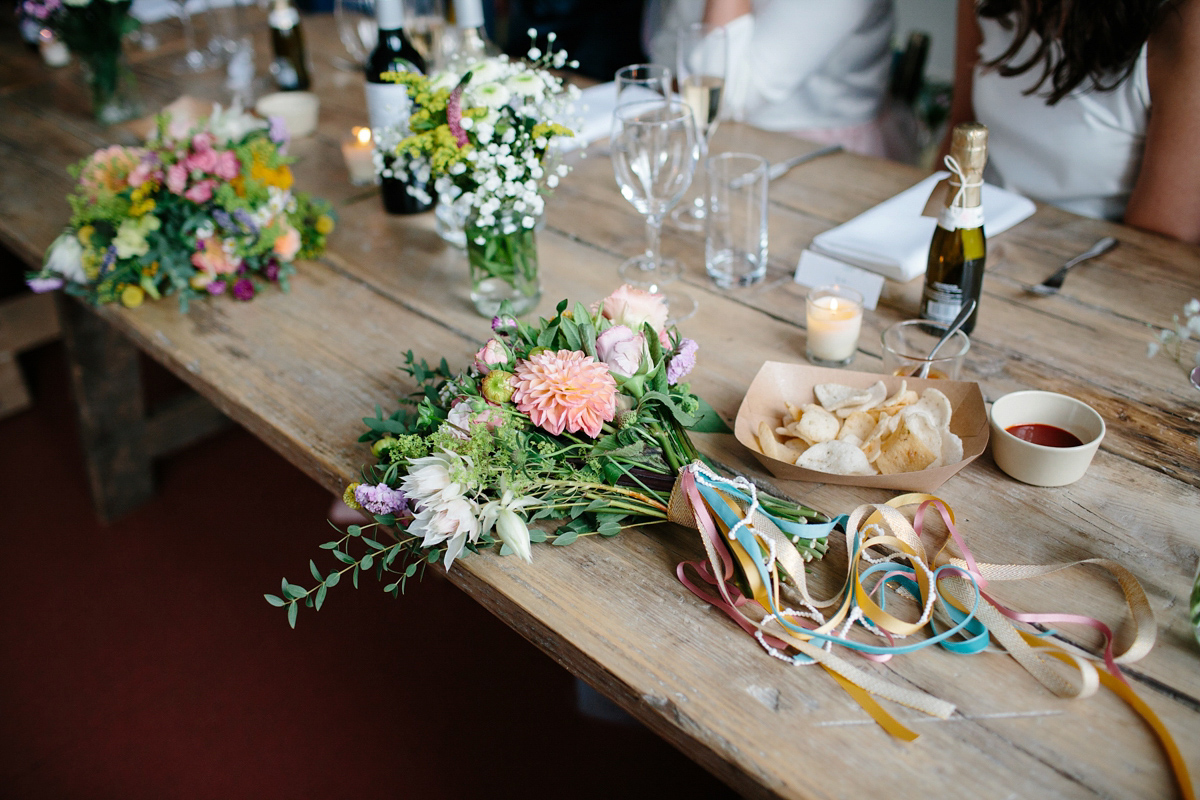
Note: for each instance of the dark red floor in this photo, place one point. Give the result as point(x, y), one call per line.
point(139, 660)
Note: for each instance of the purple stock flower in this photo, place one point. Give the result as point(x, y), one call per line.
point(682, 362)
point(381, 499)
point(278, 133)
point(504, 326)
point(272, 270)
point(224, 220)
point(217, 287)
point(40, 285)
point(245, 220)
point(110, 258)
point(244, 289)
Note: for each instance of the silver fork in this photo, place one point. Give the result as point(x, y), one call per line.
point(1052, 284)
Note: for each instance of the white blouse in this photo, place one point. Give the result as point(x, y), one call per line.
point(1082, 154)
point(798, 64)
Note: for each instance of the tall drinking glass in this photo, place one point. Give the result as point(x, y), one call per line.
point(424, 21)
point(654, 160)
point(195, 59)
point(643, 82)
point(702, 63)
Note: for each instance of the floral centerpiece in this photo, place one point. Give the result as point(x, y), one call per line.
point(94, 30)
point(484, 135)
point(205, 211)
point(581, 420)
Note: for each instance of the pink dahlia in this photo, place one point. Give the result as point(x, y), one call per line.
point(567, 390)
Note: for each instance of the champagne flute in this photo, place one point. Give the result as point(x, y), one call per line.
point(654, 160)
point(643, 82)
point(702, 62)
point(195, 60)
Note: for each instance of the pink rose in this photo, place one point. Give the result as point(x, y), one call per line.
point(177, 177)
point(632, 307)
point(288, 243)
point(463, 416)
point(201, 192)
point(621, 349)
point(492, 354)
point(142, 173)
point(227, 167)
point(203, 141)
point(202, 161)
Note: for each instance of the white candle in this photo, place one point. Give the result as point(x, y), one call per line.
point(357, 152)
point(834, 318)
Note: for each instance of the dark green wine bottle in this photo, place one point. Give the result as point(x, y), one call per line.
point(290, 66)
point(388, 105)
point(958, 251)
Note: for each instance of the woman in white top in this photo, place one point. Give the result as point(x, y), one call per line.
point(1091, 105)
point(814, 68)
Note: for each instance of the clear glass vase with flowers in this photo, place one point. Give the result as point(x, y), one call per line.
point(487, 133)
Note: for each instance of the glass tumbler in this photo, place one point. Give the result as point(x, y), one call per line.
point(906, 347)
point(735, 240)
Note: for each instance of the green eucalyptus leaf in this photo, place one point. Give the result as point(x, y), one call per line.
point(343, 557)
point(321, 596)
point(294, 592)
point(293, 610)
point(564, 539)
point(275, 601)
point(316, 573)
point(366, 562)
point(332, 579)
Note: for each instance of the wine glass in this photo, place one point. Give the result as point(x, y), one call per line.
point(195, 59)
point(643, 82)
point(356, 29)
point(424, 21)
point(702, 61)
point(654, 160)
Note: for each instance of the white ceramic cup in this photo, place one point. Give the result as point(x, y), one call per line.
point(297, 109)
point(1041, 465)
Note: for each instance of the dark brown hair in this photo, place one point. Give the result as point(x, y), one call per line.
point(1077, 40)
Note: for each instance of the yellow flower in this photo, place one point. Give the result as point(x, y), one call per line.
point(85, 234)
point(151, 270)
point(348, 497)
point(200, 280)
point(132, 296)
point(142, 206)
point(324, 225)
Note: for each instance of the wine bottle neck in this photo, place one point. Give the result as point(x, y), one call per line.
point(389, 14)
point(468, 13)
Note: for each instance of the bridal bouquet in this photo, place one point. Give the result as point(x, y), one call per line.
point(581, 420)
point(483, 136)
point(209, 211)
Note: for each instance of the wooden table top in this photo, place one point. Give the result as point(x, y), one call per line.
point(300, 369)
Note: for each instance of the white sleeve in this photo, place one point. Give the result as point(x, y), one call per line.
point(774, 50)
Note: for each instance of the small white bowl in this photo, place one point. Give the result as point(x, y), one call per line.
point(1038, 464)
point(297, 109)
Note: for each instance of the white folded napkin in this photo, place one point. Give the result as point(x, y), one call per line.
point(595, 108)
point(893, 238)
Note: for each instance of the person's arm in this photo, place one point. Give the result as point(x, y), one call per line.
point(1166, 197)
point(723, 12)
point(966, 56)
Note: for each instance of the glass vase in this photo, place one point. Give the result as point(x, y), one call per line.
point(112, 84)
point(503, 261)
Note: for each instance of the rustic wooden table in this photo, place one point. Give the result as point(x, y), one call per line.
point(300, 369)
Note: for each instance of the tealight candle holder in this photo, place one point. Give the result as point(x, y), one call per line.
point(834, 320)
point(357, 151)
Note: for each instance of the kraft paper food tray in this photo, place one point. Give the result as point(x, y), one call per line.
point(777, 382)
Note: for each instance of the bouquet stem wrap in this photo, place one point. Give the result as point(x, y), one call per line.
point(951, 591)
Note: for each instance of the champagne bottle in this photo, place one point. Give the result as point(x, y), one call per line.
point(388, 106)
point(958, 251)
point(290, 66)
point(470, 43)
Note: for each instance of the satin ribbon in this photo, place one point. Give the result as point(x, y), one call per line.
point(950, 589)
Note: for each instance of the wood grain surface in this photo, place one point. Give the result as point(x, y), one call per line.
point(299, 370)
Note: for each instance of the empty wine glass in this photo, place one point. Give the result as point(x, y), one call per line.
point(357, 30)
point(702, 61)
point(424, 21)
point(195, 59)
point(643, 82)
point(654, 160)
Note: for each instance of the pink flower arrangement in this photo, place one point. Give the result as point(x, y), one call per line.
point(621, 349)
point(566, 390)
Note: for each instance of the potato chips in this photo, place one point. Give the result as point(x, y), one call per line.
point(864, 431)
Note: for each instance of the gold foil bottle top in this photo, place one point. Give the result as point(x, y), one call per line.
point(968, 146)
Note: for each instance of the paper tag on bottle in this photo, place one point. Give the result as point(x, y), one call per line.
point(937, 199)
point(815, 270)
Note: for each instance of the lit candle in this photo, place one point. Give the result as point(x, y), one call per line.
point(357, 152)
point(834, 317)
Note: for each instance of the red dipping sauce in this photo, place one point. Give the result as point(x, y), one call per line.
point(1047, 435)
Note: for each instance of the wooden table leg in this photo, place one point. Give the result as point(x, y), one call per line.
point(106, 381)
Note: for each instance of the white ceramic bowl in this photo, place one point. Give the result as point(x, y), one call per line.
point(297, 109)
point(1041, 465)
